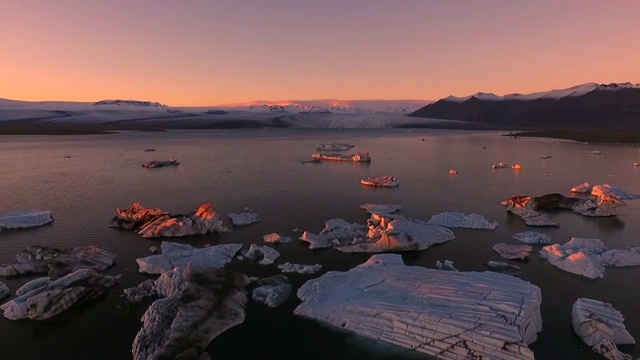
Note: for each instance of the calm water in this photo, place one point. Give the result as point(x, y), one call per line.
point(83, 179)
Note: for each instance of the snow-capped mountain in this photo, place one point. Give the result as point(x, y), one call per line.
point(577, 90)
point(615, 105)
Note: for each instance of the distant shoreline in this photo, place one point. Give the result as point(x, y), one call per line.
point(584, 135)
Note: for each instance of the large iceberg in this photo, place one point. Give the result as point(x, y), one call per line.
point(443, 314)
point(25, 219)
point(155, 222)
point(195, 306)
point(600, 326)
point(54, 297)
point(178, 255)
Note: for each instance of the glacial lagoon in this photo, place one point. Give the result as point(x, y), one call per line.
point(84, 179)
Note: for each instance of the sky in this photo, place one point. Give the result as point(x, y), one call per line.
point(211, 52)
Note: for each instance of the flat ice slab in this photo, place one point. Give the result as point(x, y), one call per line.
point(461, 220)
point(444, 314)
point(178, 255)
point(381, 181)
point(25, 219)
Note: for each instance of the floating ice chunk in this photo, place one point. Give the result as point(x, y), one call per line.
point(600, 326)
point(461, 220)
point(335, 231)
point(275, 238)
point(4, 291)
point(244, 218)
point(71, 290)
point(299, 268)
point(196, 306)
point(532, 237)
point(272, 291)
point(512, 251)
point(357, 157)
point(613, 191)
point(177, 255)
point(585, 187)
point(580, 256)
point(501, 266)
point(381, 181)
point(268, 255)
point(446, 265)
point(25, 219)
point(622, 257)
point(442, 314)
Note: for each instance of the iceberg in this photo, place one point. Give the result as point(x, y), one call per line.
point(600, 326)
point(461, 220)
point(4, 291)
point(54, 297)
point(162, 163)
point(381, 208)
point(275, 238)
point(244, 218)
point(532, 237)
point(25, 219)
point(155, 222)
point(272, 291)
point(613, 191)
point(442, 314)
point(357, 157)
point(299, 268)
point(266, 254)
point(195, 306)
point(386, 232)
point(56, 262)
point(508, 251)
point(381, 181)
point(583, 188)
point(178, 255)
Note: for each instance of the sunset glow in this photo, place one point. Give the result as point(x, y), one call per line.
point(216, 52)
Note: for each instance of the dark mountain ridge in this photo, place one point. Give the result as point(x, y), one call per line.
point(612, 107)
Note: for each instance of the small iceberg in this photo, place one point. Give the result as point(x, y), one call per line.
point(178, 255)
point(545, 157)
point(357, 157)
point(157, 164)
point(25, 219)
point(272, 291)
point(244, 218)
point(461, 220)
point(499, 165)
point(381, 208)
point(299, 268)
point(583, 188)
point(453, 172)
point(532, 237)
point(381, 181)
point(508, 251)
point(600, 326)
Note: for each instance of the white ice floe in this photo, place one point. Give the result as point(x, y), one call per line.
point(384, 232)
point(381, 208)
point(589, 257)
point(501, 266)
point(44, 302)
point(244, 218)
point(25, 219)
point(600, 326)
point(532, 237)
point(272, 291)
point(442, 314)
point(381, 181)
point(177, 255)
point(266, 254)
point(195, 306)
point(508, 251)
point(299, 268)
point(461, 220)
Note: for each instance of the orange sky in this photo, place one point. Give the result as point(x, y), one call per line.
point(186, 53)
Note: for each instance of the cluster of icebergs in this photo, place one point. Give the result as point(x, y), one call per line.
point(443, 313)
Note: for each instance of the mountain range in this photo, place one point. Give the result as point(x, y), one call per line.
point(587, 106)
